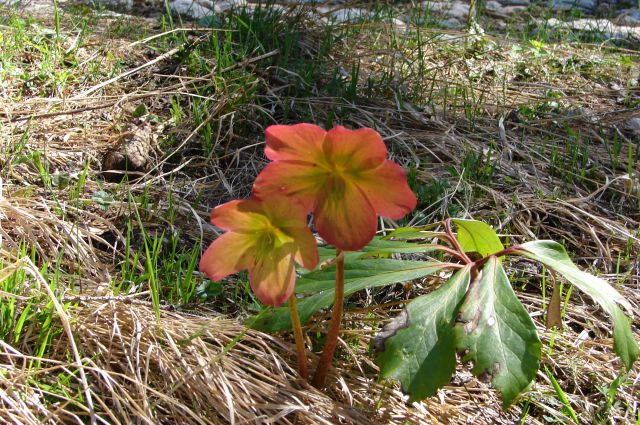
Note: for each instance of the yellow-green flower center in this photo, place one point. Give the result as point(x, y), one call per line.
point(271, 237)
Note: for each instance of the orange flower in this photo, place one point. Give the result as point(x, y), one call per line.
point(342, 175)
point(265, 237)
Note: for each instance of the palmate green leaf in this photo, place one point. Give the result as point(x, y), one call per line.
point(476, 236)
point(418, 347)
point(359, 274)
point(495, 331)
point(554, 256)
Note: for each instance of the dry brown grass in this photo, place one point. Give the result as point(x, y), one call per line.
point(196, 365)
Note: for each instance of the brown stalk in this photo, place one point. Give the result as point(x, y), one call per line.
point(331, 340)
point(452, 238)
point(303, 369)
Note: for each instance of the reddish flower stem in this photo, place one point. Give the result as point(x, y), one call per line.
point(452, 252)
point(331, 340)
point(507, 251)
point(303, 369)
point(455, 243)
point(446, 238)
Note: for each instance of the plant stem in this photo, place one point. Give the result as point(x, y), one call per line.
point(56, 14)
point(512, 250)
point(451, 252)
point(303, 369)
point(454, 241)
point(331, 340)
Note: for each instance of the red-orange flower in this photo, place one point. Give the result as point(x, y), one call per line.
point(265, 237)
point(342, 175)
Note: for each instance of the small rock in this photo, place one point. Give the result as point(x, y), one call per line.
point(451, 23)
point(192, 8)
point(493, 6)
point(296, 2)
point(497, 10)
point(633, 125)
point(198, 9)
point(454, 9)
point(511, 10)
point(629, 17)
point(583, 5)
point(351, 14)
point(618, 4)
point(120, 4)
point(399, 24)
point(452, 39)
point(222, 6)
point(603, 27)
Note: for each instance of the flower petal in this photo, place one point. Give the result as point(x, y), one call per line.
point(300, 142)
point(345, 218)
point(290, 179)
point(228, 254)
point(289, 215)
point(273, 277)
point(355, 150)
point(306, 253)
point(285, 212)
point(387, 190)
point(239, 215)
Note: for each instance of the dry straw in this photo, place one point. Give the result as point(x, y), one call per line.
point(209, 369)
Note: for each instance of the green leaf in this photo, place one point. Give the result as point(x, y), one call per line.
point(418, 346)
point(495, 331)
point(140, 111)
point(476, 236)
point(379, 246)
point(407, 233)
point(359, 274)
point(624, 343)
point(568, 410)
point(102, 199)
point(554, 256)
point(328, 256)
